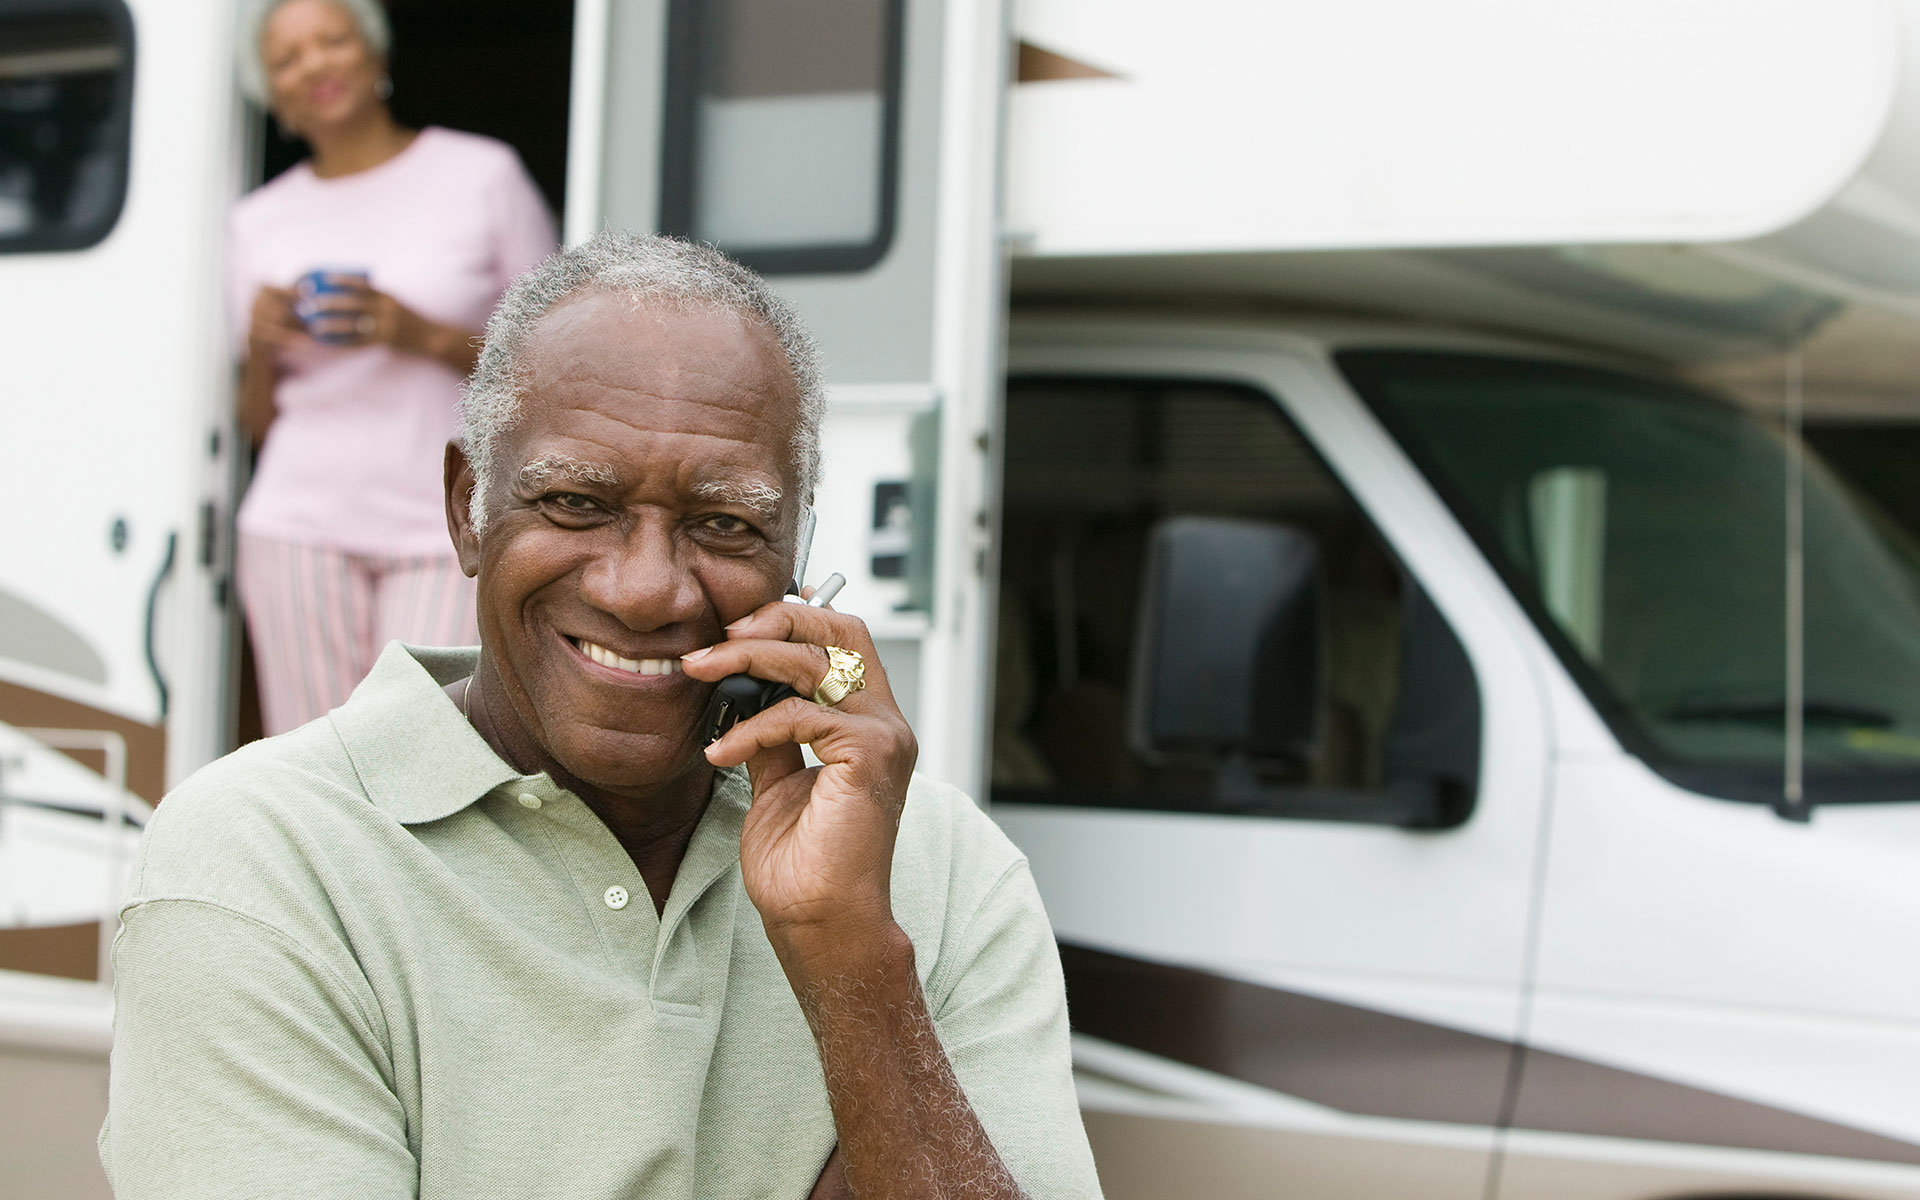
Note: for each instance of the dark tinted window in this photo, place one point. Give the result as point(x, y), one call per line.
point(1093, 467)
point(1879, 459)
point(1642, 524)
point(66, 85)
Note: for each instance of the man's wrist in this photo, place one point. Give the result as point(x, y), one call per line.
point(822, 952)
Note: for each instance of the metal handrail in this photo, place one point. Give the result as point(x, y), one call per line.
point(113, 817)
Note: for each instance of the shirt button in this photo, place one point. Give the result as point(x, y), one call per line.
point(529, 800)
point(616, 897)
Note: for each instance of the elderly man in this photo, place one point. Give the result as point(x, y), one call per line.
point(503, 925)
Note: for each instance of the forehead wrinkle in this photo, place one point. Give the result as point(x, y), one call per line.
point(734, 400)
point(615, 424)
point(635, 407)
point(590, 362)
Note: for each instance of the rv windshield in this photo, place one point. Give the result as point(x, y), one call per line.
point(1641, 525)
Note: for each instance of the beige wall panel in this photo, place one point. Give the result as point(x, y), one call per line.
point(1155, 1158)
point(50, 1111)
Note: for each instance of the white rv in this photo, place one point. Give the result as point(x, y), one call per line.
point(1463, 755)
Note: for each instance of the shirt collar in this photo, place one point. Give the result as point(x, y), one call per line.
point(416, 755)
point(420, 759)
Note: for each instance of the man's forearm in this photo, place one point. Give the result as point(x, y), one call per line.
point(906, 1129)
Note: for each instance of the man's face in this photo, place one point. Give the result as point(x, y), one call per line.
point(643, 502)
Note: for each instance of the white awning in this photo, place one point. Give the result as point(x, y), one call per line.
point(1234, 126)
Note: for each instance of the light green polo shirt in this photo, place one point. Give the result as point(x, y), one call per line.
point(368, 960)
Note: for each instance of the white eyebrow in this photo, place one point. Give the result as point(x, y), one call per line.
point(543, 471)
point(762, 498)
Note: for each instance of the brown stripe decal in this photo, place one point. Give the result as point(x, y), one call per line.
point(146, 744)
point(1348, 1058)
point(1571, 1095)
point(1372, 1063)
point(72, 951)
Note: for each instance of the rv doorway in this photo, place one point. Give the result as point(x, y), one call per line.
point(498, 67)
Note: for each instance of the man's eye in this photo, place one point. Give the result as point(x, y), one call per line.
point(570, 504)
point(726, 532)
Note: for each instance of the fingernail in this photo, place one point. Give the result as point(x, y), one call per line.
point(742, 623)
point(696, 655)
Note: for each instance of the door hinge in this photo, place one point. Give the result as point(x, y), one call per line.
point(209, 532)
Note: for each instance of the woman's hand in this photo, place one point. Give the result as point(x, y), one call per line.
point(355, 313)
point(816, 852)
point(273, 324)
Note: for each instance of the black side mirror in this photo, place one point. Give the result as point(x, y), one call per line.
point(1227, 664)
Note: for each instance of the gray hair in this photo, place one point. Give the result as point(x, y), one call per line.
point(646, 269)
point(367, 14)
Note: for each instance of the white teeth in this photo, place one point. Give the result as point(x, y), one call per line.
point(642, 666)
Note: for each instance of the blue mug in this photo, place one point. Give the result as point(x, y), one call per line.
point(325, 281)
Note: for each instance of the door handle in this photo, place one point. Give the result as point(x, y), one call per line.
point(153, 605)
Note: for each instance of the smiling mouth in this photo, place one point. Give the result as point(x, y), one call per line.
point(632, 666)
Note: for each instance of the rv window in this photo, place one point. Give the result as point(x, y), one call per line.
point(1641, 525)
point(66, 87)
point(1092, 467)
point(1877, 457)
point(781, 130)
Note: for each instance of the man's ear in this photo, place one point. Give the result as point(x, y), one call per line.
point(460, 485)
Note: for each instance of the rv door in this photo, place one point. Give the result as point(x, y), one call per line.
point(113, 180)
point(115, 170)
point(848, 151)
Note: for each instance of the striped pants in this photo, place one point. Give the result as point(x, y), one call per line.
point(318, 617)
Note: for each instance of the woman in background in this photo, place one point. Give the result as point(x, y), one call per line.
point(362, 277)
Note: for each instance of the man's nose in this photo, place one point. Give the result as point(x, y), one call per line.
point(646, 580)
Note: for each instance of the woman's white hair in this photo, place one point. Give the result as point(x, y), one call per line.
point(367, 14)
point(650, 269)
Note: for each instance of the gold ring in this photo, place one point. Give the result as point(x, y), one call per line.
point(846, 674)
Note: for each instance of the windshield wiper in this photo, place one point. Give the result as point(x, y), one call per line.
point(1824, 712)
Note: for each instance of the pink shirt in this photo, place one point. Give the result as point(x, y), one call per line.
point(353, 458)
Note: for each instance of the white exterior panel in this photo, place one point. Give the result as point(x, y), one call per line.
point(1395, 123)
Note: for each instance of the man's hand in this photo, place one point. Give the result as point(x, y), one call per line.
point(816, 853)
